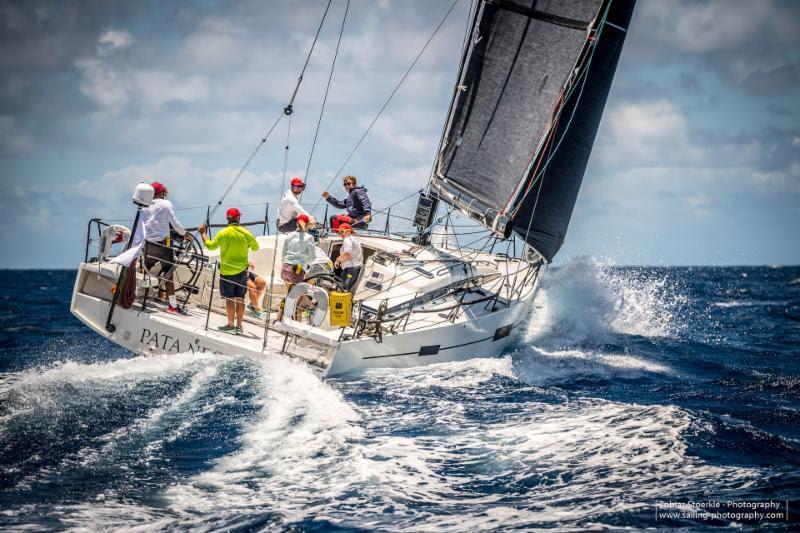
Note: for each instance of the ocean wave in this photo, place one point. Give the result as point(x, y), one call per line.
point(107, 417)
point(313, 456)
point(431, 449)
point(537, 366)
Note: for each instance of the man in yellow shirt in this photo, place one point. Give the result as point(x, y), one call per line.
point(234, 243)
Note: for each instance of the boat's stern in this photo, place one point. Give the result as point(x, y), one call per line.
point(92, 294)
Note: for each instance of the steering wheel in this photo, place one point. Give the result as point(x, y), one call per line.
point(328, 281)
point(188, 254)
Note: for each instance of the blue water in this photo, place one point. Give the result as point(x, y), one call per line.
point(630, 388)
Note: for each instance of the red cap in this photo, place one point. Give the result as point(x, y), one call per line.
point(158, 188)
point(302, 218)
point(343, 227)
point(233, 213)
point(297, 182)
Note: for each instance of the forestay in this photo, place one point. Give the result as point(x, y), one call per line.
point(533, 83)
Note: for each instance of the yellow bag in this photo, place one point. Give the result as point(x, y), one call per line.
point(341, 308)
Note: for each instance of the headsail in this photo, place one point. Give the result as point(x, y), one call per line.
point(534, 81)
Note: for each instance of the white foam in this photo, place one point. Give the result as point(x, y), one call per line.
point(454, 375)
point(751, 303)
point(414, 458)
point(302, 440)
point(42, 388)
point(537, 366)
point(588, 301)
point(313, 456)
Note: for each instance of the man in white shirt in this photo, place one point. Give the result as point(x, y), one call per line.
point(351, 256)
point(290, 208)
point(157, 219)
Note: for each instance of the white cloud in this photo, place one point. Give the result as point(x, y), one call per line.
point(650, 121)
point(189, 184)
point(397, 132)
point(718, 25)
point(113, 85)
point(647, 133)
point(120, 183)
point(779, 180)
point(154, 89)
point(216, 45)
point(113, 40)
point(745, 42)
point(102, 84)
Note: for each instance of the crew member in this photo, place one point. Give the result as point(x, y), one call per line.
point(157, 219)
point(291, 208)
point(357, 203)
point(298, 251)
point(234, 243)
point(351, 256)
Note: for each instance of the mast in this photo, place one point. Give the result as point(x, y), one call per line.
point(533, 85)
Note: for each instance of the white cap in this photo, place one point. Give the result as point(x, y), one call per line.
point(143, 195)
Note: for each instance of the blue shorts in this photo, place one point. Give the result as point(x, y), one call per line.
point(234, 286)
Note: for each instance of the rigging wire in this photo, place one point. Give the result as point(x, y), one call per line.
point(286, 111)
point(327, 88)
point(270, 293)
point(389, 99)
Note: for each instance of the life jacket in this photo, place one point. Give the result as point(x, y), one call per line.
point(337, 220)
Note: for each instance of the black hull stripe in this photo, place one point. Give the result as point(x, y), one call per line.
point(440, 350)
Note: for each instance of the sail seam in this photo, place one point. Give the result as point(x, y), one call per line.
point(534, 13)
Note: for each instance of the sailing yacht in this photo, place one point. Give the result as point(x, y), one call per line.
point(532, 84)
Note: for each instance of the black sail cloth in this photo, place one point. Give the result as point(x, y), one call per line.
point(534, 82)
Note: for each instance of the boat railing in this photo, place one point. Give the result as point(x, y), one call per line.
point(367, 321)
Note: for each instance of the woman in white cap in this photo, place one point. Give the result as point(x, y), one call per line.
point(351, 256)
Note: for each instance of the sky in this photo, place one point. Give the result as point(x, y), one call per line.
point(697, 160)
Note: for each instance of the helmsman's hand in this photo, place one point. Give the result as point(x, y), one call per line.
point(326, 194)
point(367, 218)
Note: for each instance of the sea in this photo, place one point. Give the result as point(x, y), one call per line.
point(634, 397)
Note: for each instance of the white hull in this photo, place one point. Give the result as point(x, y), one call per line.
point(154, 331)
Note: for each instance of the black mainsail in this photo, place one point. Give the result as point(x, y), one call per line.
point(532, 87)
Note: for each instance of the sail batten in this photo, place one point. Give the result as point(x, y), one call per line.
point(533, 86)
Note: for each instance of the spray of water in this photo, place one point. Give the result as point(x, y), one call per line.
point(587, 302)
point(586, 315)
